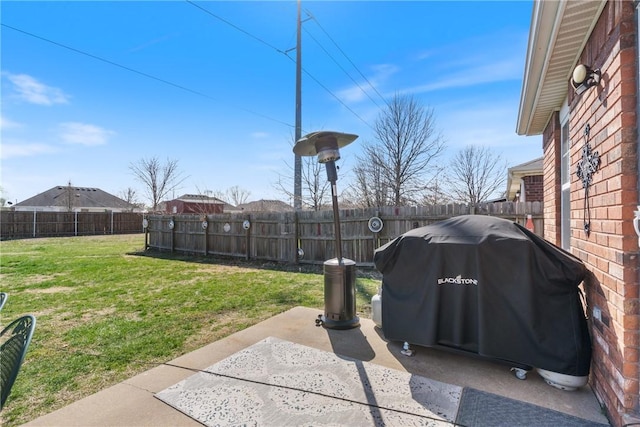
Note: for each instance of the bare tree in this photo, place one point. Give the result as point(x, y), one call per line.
point(129, 195)
point(3, 199)
point(315, 186)
point(436, 192)
point(405, 147)
point(369, 188)
point(237, 195)
point(475, 174)
point(219, 194)
point(159, 179)
point(68, 197)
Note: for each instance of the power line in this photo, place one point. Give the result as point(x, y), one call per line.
point(347, 57)
point(142, 73)
point(235, 27)
point(342, 68)
point(282, 52)
point(336, 97)
point(202, 94)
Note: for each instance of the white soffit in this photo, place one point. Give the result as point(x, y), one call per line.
point(558, 33)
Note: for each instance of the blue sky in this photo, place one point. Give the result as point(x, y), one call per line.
point(96, 86)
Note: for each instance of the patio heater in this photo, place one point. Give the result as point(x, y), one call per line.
point(339, 272)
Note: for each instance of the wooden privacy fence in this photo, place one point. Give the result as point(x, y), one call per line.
point(21, 225)
point(279, 236)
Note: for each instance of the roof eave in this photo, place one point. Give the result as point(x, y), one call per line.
point(558, 33)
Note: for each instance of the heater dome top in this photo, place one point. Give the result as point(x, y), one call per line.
point(315, 142)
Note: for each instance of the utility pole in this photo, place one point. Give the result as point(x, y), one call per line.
point(297, 168)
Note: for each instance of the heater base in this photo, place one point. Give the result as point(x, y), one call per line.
point(340, 324)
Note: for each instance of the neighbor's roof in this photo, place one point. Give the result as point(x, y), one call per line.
point(266, 206)
point(558, 33)
point(516, 173)
point(532, 167)
point(204, 199)
point(199, 198)
point(83, 197)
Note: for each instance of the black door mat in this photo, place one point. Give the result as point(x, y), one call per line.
point(481, 409)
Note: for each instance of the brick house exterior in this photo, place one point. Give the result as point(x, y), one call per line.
point(533, 188)
point(602, 35)
point(525, 182)
point(194, 204)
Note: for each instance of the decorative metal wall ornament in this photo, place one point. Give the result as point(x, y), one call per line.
point(587, 166)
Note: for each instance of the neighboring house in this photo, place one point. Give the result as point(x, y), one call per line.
point(524, 182)
point(265, 206)
point(196, 204)
point(65, 198)
point(590, 170)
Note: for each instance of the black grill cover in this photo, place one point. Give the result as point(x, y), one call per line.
point(489, 287)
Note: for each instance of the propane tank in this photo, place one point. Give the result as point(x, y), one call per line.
point(376, 308)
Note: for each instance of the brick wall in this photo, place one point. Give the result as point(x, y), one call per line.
point(533, 187)
point(610, 249)
point(551, 179)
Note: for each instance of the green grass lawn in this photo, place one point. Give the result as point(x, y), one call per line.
point(107, 311)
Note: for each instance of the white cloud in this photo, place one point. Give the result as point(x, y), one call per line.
point(84, 134)
point(489, 125)
point(259, 135)
point(381, 73)
point(506, 69)
point(22, 149)
point(487, 59)
point(31, 90)
point(8, 124)
point(425, 54)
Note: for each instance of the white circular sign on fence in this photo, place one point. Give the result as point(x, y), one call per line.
point(145, 223)
point(171, 225)
point(246, 224)
point(375, 224)
point(205, 224)
point(226, 227)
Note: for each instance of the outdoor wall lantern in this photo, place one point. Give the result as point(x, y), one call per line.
point(339, 273)
point(583, 78)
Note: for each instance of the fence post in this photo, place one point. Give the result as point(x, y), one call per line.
point(34, 222)
point(248, 237)
point(206, 235)
point(296, 238)
point(173, 232)
point(146, 232)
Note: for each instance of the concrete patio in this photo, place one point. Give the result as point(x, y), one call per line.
point(133, 402)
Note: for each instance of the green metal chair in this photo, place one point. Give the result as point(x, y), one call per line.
point(14, 342)
point(3, 299)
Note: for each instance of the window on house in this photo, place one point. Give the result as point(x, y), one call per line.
point(565, 182)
